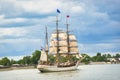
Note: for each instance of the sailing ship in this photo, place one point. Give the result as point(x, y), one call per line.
point(62, 48)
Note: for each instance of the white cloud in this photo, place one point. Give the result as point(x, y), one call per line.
point(2, 17)
point(12, 32)
point(98, 47)
point(19, 19)
point(24, 22)
point(21, 46)
point(43, 7)
point(20, 41)
point(77, 9)
point(100, 15)
point(40, 6)
point(12, 20)
point(4, 20)
point(14, 57)
point(34, 6)
point(10, 8)
point(104, 48)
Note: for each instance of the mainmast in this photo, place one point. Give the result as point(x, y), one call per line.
point(57, 57)
point(68, 42)
point(46, 44)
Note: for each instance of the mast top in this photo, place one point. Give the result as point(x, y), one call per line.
point(67, 17)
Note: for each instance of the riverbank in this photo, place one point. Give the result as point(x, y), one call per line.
point(17, 68)
point(98, 63)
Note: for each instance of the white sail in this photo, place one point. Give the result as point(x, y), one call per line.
point(73, 43)
point(43, 56)
point(62, 42)
point(72, 37)
point(63, 46)
point(74, 50)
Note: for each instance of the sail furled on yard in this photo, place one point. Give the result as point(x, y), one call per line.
point(73, 44)
point(62, 40)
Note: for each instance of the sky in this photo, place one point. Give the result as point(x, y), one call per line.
point(96, 24)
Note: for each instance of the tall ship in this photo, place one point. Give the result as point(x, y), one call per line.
point(61, 53)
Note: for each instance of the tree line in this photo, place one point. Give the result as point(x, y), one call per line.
point(26, 60)
point(99, 57)
point(33, 60)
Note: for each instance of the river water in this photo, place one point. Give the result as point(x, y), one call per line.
point(85, 72)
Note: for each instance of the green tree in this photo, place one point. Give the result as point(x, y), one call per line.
point(36, 56)
point(104, 57)
point(27, 60)
point(117, 55)
point(108, 56)
point(98, 54)
point(5, 61)
point(86, 59)
point(94, 58)
point(21, 62)
point(99, 57)
point(13, 61)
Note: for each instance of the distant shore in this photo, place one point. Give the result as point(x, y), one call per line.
point(97, 63)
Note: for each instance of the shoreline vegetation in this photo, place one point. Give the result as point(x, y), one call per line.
point(30, 62)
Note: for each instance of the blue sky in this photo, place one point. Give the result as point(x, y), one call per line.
point(96, 24)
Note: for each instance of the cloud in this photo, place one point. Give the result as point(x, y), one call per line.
point(17, 32)
point(24, 22)
point(11, 22)
point(41, 6)
point(99, 47)
point(95, 23)
point(14, 57)
point(2, 17)
point(21, 46)
point(10, 8)
point(18, 7)
point(77, 9)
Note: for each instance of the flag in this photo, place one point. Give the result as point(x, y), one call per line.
point(58, 11)
point(67, 16)
point(42, 48)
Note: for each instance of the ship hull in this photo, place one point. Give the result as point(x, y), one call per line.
point(48, 68)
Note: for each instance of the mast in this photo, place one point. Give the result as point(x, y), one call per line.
point(57, 57)
point(68, 44)
point(46, 44)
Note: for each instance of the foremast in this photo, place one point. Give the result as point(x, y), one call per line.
point(46, 49)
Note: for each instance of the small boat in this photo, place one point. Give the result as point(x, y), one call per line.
point(62, 54)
